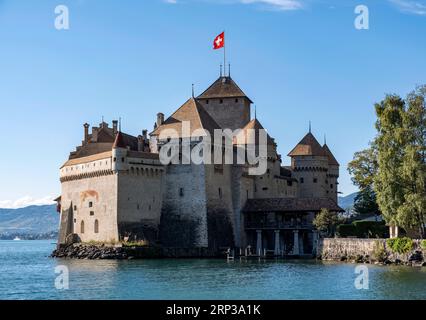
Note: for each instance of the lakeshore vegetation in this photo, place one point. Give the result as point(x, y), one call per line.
point(391, 173)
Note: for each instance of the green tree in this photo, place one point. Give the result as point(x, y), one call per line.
point(400, 182)
point(326, 221)
point(366, 202)
point(363, 168)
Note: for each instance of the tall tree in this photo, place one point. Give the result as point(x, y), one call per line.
point(400, 182)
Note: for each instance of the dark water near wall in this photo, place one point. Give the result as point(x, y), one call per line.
point(26, 272)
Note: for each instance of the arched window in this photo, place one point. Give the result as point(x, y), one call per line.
point(82, 227)
point(96, 226)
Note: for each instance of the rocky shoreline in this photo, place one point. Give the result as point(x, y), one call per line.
point(91, 252)
point(366, 251)
point(414, 260)
point(109, 252)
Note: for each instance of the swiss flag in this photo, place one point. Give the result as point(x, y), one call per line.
point(219, 41)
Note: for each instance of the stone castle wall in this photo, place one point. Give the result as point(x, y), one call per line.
point(184, 210)
point(233, 113)
point(139, 202)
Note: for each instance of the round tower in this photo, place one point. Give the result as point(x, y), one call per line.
point(310, 167)
point(119, 154)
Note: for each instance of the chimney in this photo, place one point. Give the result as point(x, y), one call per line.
point(160, 119)
point(141, 143)
point(115, 126)
point(86, 133)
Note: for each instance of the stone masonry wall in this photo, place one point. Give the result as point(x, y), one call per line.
point(365, 250)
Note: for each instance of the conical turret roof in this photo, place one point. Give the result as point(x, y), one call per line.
point(331, 159)
point(308, 146)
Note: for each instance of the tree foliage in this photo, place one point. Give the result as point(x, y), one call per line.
point(400, 181)
point(325, 221)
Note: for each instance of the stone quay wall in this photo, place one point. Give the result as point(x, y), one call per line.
point(368, 251)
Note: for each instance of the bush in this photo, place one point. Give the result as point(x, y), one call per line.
point(363, 229)
point(423, 244)
point(346, 230)
point(379, 253)
point(400, 245)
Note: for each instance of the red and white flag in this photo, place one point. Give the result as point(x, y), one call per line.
point(219, 41)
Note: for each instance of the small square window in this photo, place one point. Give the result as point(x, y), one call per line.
point(90, 204)
point(315, 180)
point(221, 101)
point(302, 180)
point(236, 100)
point(75, 208)
point(92, 213)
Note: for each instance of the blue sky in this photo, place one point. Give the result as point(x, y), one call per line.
point(298, 60)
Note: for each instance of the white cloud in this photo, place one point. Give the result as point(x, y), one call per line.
point(277, 4)
point(25, 202)
point(410, 6)
point(170, 1)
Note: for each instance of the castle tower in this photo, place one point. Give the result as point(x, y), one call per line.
point(119, 154)
point(333, 174)
point(310, 165)
point(226, 103)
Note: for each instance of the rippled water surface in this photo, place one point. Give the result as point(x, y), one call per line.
point(26, 272)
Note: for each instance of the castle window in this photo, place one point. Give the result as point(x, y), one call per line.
point(181, 192)
point(315, 180)
point(149, 208)
point(122, 159)
point(75, 220)
point(96, 226)
point(90, 204)
point(207, 101)
point(138, 206)
point(115, 159)
point(302, 180)
point(265, 189)
point(220, 193)
point(92, 213)
point(82, 227)
point(289, 183)
point(221, 101)
point(75, 208)
point(331, 186)
point(236, 100)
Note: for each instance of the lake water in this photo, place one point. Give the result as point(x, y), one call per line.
point(26, 272)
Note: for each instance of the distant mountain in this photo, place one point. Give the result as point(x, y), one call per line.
point(32, 221)
point(348, 201)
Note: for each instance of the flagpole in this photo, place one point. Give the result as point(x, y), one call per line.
point(224, 53)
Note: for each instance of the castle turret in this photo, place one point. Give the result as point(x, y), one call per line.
point(119, 154)
point(332, 174)
point(226, 103)
point(310, 165)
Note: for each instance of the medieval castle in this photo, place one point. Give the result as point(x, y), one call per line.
point(116, 189)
